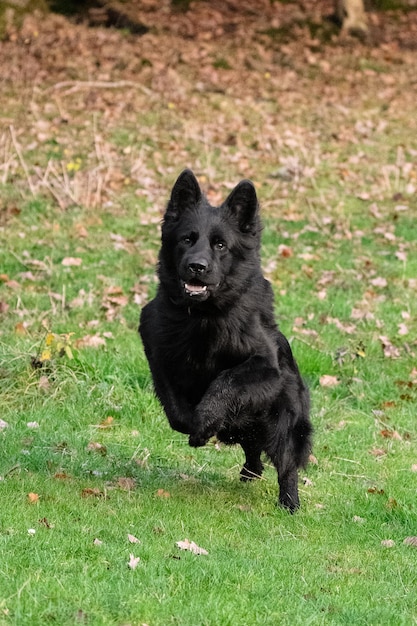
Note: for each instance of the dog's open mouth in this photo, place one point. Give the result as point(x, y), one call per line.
point(195, 289)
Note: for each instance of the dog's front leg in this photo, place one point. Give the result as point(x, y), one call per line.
point(177, 409)
point(250, 385)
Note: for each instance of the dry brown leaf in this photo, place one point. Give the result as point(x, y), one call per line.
point(107, 422)
point(379, 282)
point(33, 497)
point(127, 484)
point(92, 492)
point(90, 341)
point(390, 351)
point(61, 476)
point(44, 522)
point(410, 541)
point(133, 561)
point(329, 381)
point(161, 493)
point(390, 434)
point(378, 452)
point(70, 261)
point(191, 547)
point(94, 446)
point(285, 251)
point(20, 329)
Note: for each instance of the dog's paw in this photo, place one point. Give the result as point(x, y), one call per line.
point(197, 441)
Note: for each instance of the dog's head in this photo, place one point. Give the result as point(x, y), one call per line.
point(208, 253)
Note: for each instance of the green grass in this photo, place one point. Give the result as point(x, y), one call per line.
point(325, 565)
point(345, 287)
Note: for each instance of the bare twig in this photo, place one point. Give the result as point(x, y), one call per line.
point(73, 86)
point(21, 159)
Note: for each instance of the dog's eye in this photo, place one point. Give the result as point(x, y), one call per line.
point(219, 245)
point(186, 240)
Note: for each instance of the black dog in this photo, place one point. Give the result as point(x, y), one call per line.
point(220, 365)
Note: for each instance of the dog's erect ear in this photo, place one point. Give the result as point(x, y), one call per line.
point(185, 194)
point(243, 203)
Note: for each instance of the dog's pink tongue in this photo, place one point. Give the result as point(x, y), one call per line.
point(195, 288)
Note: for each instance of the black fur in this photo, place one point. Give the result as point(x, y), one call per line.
point(220, 365)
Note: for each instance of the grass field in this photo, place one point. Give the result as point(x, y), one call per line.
point(95, 489)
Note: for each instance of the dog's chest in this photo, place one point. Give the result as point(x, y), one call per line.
point(208, 347)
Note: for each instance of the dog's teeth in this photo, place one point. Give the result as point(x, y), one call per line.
point(195, 289)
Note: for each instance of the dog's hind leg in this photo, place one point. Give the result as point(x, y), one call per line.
point(253, 466)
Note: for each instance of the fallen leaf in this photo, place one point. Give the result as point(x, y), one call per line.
point(61, 476)
point(43, 383)
point(191, 547)
point(390, 351)
point(70, 261)
point(90, 341)
point(33, 497)
point(133, 561)
point(132, 539)
point(379, 282)
point(81, 231)
point(94, 446)
point(378, 452)
point(329, 381)
point(44, 522)
point(3, 424)
point(127, 484)
point(108, 422)
point(32, 425)
point(410, 541)
point(20, 329)
point(89, 492)
point(97, 542)
point(285, 251)
point(46, 355)
point(390, 434)
point(245, 508)
point(161, 493)
point(388, 543)
point(358, 520)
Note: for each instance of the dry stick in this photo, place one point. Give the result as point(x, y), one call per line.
point(78, 85)
point(7, 158)
point(21, 159)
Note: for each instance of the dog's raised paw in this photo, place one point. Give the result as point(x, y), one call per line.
point(197, 441)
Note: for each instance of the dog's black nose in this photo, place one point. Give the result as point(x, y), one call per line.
point(197, 268)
